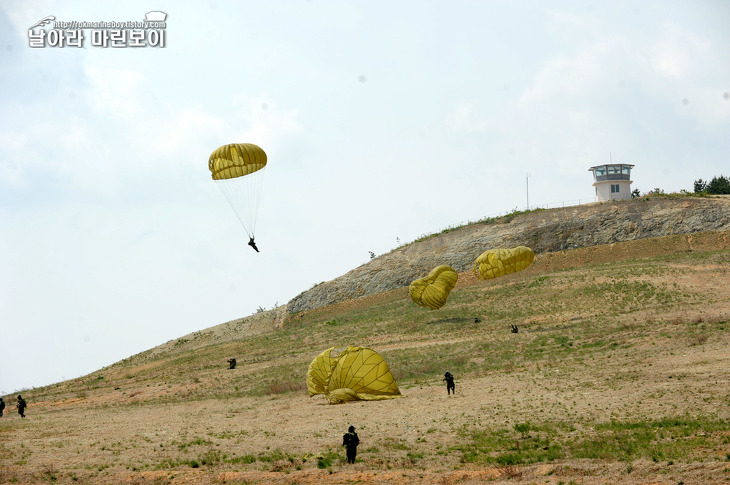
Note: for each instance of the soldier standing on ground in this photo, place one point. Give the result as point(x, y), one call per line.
point(350, 441)
point(2, 407)
point(450, 386)
point(21, 406)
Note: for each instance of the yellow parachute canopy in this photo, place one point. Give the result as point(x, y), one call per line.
point(433, 290)
point(320, 370)
point(499, 262)
point(355, 374)
point(236, 160)
point(237, 169)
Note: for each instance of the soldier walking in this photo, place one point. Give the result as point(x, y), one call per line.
point(450, 386)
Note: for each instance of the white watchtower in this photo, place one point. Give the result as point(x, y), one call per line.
point(612, 181)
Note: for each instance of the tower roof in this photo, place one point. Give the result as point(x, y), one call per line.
point(611, 165)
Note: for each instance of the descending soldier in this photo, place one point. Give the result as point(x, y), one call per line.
point(350, 442)
point(21, 406)
point(450, 386)
point(253, 244)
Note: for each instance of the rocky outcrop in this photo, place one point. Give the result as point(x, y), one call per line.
point(544, 231)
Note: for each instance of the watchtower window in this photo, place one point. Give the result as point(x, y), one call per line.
point(615, 188)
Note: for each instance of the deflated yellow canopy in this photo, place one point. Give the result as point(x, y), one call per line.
point(499, 262)
point(320, 370)
point(236, 160)
point(356, 373)
point(433, 290)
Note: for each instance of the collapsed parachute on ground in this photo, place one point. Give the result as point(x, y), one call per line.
point(238, 169)
point(433, 290)
point(353, 374)
point(499, 262)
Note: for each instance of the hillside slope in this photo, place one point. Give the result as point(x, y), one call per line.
point(617, 375)
point(545, 231)
point(592, 233)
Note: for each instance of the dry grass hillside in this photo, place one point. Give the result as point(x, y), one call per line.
point(619, 374)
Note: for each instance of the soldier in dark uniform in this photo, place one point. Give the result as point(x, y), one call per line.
point(350, 442)
point(21, 406)
point(231, 363)
point(450, 386)
point(2, 407)
point(252, 244)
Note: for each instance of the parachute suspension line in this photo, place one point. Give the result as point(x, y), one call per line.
point(243, 194)
point(259, 183)
point(231, 196)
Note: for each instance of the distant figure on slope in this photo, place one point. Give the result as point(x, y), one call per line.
point(2, 407)
point(350, 442)
point(477, 320)
point(231, 363)
point(253, 244)
point(450, 386)
point(21, 406)
point(514, 328)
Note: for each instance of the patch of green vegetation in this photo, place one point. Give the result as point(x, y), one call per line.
point(197, 441)
point(243, 459)
point(274, 455)
point(329, 458)
point(660, 440)
point(525, 443)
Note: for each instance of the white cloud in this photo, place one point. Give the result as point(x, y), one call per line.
point(678, 53)
point(115, 91)
point(464, 118)
point(25, 14)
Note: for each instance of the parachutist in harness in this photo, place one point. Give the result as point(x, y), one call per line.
point(253, 244)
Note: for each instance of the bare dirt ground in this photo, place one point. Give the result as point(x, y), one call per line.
point(87, 440)
point(98, 445)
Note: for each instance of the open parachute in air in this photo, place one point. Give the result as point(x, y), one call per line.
point(433, 290)
point(499, 262)
point(238, 169)
point(352, 374)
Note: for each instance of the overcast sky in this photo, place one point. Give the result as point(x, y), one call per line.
point(382, 120)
